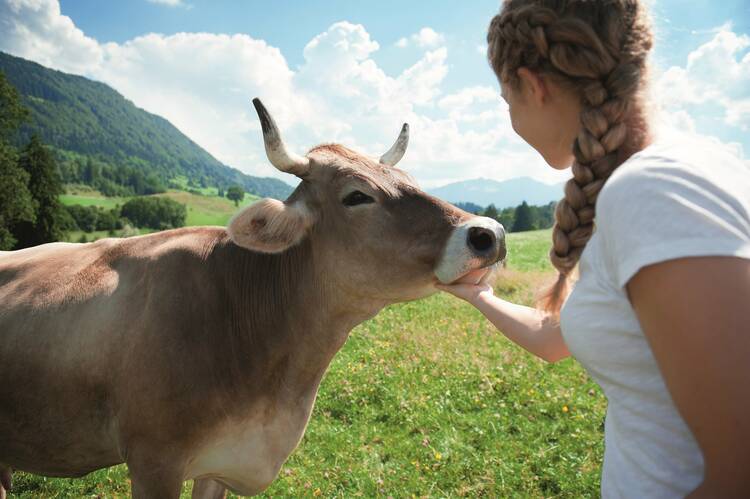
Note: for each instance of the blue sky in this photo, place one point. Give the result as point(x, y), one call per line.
point(352, 72)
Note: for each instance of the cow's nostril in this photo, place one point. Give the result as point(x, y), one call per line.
point(481, 240)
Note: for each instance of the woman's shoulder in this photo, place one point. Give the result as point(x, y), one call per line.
point(686, 166)
point(673, 200)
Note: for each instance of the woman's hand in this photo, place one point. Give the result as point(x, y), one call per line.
point(470, 287)
point(526, 326)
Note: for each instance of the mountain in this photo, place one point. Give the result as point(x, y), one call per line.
point(503, 194)
point(86, 118)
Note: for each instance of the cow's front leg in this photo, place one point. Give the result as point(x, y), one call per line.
point(154, 478)
point(5, 481)
point(208, 489)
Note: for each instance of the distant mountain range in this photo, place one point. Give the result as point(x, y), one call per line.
point(74, 114)
point(503, 194)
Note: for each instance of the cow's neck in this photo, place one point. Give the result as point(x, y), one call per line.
point(288, 316)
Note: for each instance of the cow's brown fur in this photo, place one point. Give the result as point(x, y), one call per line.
point(142, 350)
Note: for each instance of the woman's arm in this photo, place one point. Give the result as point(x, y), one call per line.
point(695, 313)
point(530, 328)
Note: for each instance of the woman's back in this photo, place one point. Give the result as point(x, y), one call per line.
point(677, 198)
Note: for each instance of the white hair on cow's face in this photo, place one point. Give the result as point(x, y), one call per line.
point(270, 226)
point(458, 258)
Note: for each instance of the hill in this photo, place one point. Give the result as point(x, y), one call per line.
point(80, 117)
point(504, 194)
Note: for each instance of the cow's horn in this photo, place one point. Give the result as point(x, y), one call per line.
point(396, 152)
point(275, 149)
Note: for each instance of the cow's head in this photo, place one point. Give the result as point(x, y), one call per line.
point(368, 220)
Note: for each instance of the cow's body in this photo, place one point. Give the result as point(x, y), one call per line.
point(197, 353)
point(152, 338)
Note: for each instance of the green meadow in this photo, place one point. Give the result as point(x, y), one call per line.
point(429, 400)
point(202, 209)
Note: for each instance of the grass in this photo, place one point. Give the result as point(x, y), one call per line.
point(527, 251)
point(207, 210)
point(427, 399)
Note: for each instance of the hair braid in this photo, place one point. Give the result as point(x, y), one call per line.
point(598, 49)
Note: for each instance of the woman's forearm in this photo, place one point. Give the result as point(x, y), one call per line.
point(529, 328)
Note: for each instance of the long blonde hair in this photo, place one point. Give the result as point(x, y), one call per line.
point(599, 49)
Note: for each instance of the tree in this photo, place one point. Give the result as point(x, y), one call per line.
point(546, 215)
point(236, 194)
point(507, 217)
point(45, 187)
point(16, 203)
point(12, 112)
point(91, 172)
point(154, 212)
point(524, 219)
point(470, 207)
point(490, 212)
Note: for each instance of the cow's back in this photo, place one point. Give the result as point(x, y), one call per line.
point(87, 333)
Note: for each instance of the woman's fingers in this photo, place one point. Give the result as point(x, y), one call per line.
point(468, 292)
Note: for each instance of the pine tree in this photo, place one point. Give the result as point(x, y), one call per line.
point(12, 112)
point(524, 219)
point(16, 203)
point(45, 187)
point(491, 212)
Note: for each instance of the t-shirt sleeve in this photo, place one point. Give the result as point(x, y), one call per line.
point(659, 212)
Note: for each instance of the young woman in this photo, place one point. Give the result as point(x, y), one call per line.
point(660, 232)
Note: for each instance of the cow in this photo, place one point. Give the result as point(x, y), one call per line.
point(196, 353)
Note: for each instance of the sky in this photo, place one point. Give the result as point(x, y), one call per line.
point(353, 72)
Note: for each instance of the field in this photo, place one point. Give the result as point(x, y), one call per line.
point(202, 209)
point(429, 400)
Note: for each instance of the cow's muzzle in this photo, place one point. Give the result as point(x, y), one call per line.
point(476, 243)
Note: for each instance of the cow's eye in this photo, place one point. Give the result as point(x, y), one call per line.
point(357, 197)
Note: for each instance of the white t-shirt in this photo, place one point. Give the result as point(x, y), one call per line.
point(674, 199)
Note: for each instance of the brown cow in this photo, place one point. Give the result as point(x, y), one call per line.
point(197, 353)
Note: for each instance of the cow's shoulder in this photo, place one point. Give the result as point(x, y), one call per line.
point(69, 272)
point(196, 241)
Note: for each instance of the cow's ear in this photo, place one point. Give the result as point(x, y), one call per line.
point(270, 226)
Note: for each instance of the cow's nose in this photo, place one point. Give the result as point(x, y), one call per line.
point(474, 243)
point(487, 242)
point(481, 240)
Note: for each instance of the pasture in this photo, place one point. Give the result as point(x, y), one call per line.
point(429, 400)
point(202, 209)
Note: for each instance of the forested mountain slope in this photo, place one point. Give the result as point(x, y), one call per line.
point(82, 118)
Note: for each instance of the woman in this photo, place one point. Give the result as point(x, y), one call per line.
point(660, 232)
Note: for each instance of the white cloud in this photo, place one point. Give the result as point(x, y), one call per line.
point(428, 37)
point(424, 38)
point(716, 78)
point(37, 30)
point(203, 84)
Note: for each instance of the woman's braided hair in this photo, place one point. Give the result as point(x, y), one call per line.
point(598, 49)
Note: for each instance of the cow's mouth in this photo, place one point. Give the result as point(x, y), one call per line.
point(482, 275)
point(476, 243)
